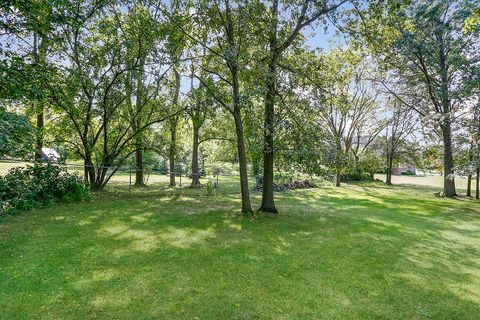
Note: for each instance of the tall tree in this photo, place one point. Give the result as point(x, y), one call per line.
point(281, 30)
point(424, 46)
point(229, 24)
point(400, 125)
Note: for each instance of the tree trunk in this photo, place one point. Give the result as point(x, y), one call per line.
point(242, 156)
point(477, 182)
point(448, 177)
point(268, 202)
point(195, 173)
point(469, 185)
point(39, 140)
point(242, 162)
point(40, 52)
point(338, 178)
point(139, 180)
point(173, 129)
point(171, 154)
point(89, 172)
point(389, 171)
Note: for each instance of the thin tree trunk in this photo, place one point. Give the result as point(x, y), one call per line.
point(242, 156)
point(173, 129)
point(171, 154)
point(139, 179)
point(477, 182)
point(242, 162)
point(40, 53)
point(40, 132)
point(469, 185)
point(237, 114)
point(195, 173)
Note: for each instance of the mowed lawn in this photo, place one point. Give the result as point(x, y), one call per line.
point(357, 252)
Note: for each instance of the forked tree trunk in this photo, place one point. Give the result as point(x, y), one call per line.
point(195, 173)
point(89, 172)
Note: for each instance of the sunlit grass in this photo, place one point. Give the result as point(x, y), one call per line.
point(360, 251)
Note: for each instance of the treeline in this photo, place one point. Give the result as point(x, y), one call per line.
point(108, 80)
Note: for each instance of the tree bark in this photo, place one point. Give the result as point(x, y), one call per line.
point(173, 129)
point(242, 156)
point(139, 178)
point(389, 171)
point(338, 178)
point(195, 174)
point(40, 133)
point(448, 177)
point(469, 185)
point(477, 185)
point(242, 162)
point(268, 201)
point(40, 53)
point(171, 154)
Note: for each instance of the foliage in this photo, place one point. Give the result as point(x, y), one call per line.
point(40, 185)
point(281, 178)
point(210, 188)
point(17, 135)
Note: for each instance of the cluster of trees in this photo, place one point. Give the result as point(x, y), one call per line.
point(114, 79)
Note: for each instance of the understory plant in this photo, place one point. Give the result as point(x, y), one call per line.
point(40, 185)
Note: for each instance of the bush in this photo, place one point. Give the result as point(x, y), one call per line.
point(356, 176)
point(24, 188)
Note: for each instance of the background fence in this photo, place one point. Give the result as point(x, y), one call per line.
point(123, 179)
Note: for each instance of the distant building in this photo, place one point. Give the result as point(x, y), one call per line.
point(404, 168)
point(50, 155)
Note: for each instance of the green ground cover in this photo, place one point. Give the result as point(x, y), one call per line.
point(360, 251)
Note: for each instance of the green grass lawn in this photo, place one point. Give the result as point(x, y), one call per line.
point(361, 251)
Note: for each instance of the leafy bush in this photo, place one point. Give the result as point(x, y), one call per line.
point(408, 173)
point(356, 176)
point(24, 188)
point(210, 189)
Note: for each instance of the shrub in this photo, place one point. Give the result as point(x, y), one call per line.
point(356, 176)
point(24, 188)
point(210, 189)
